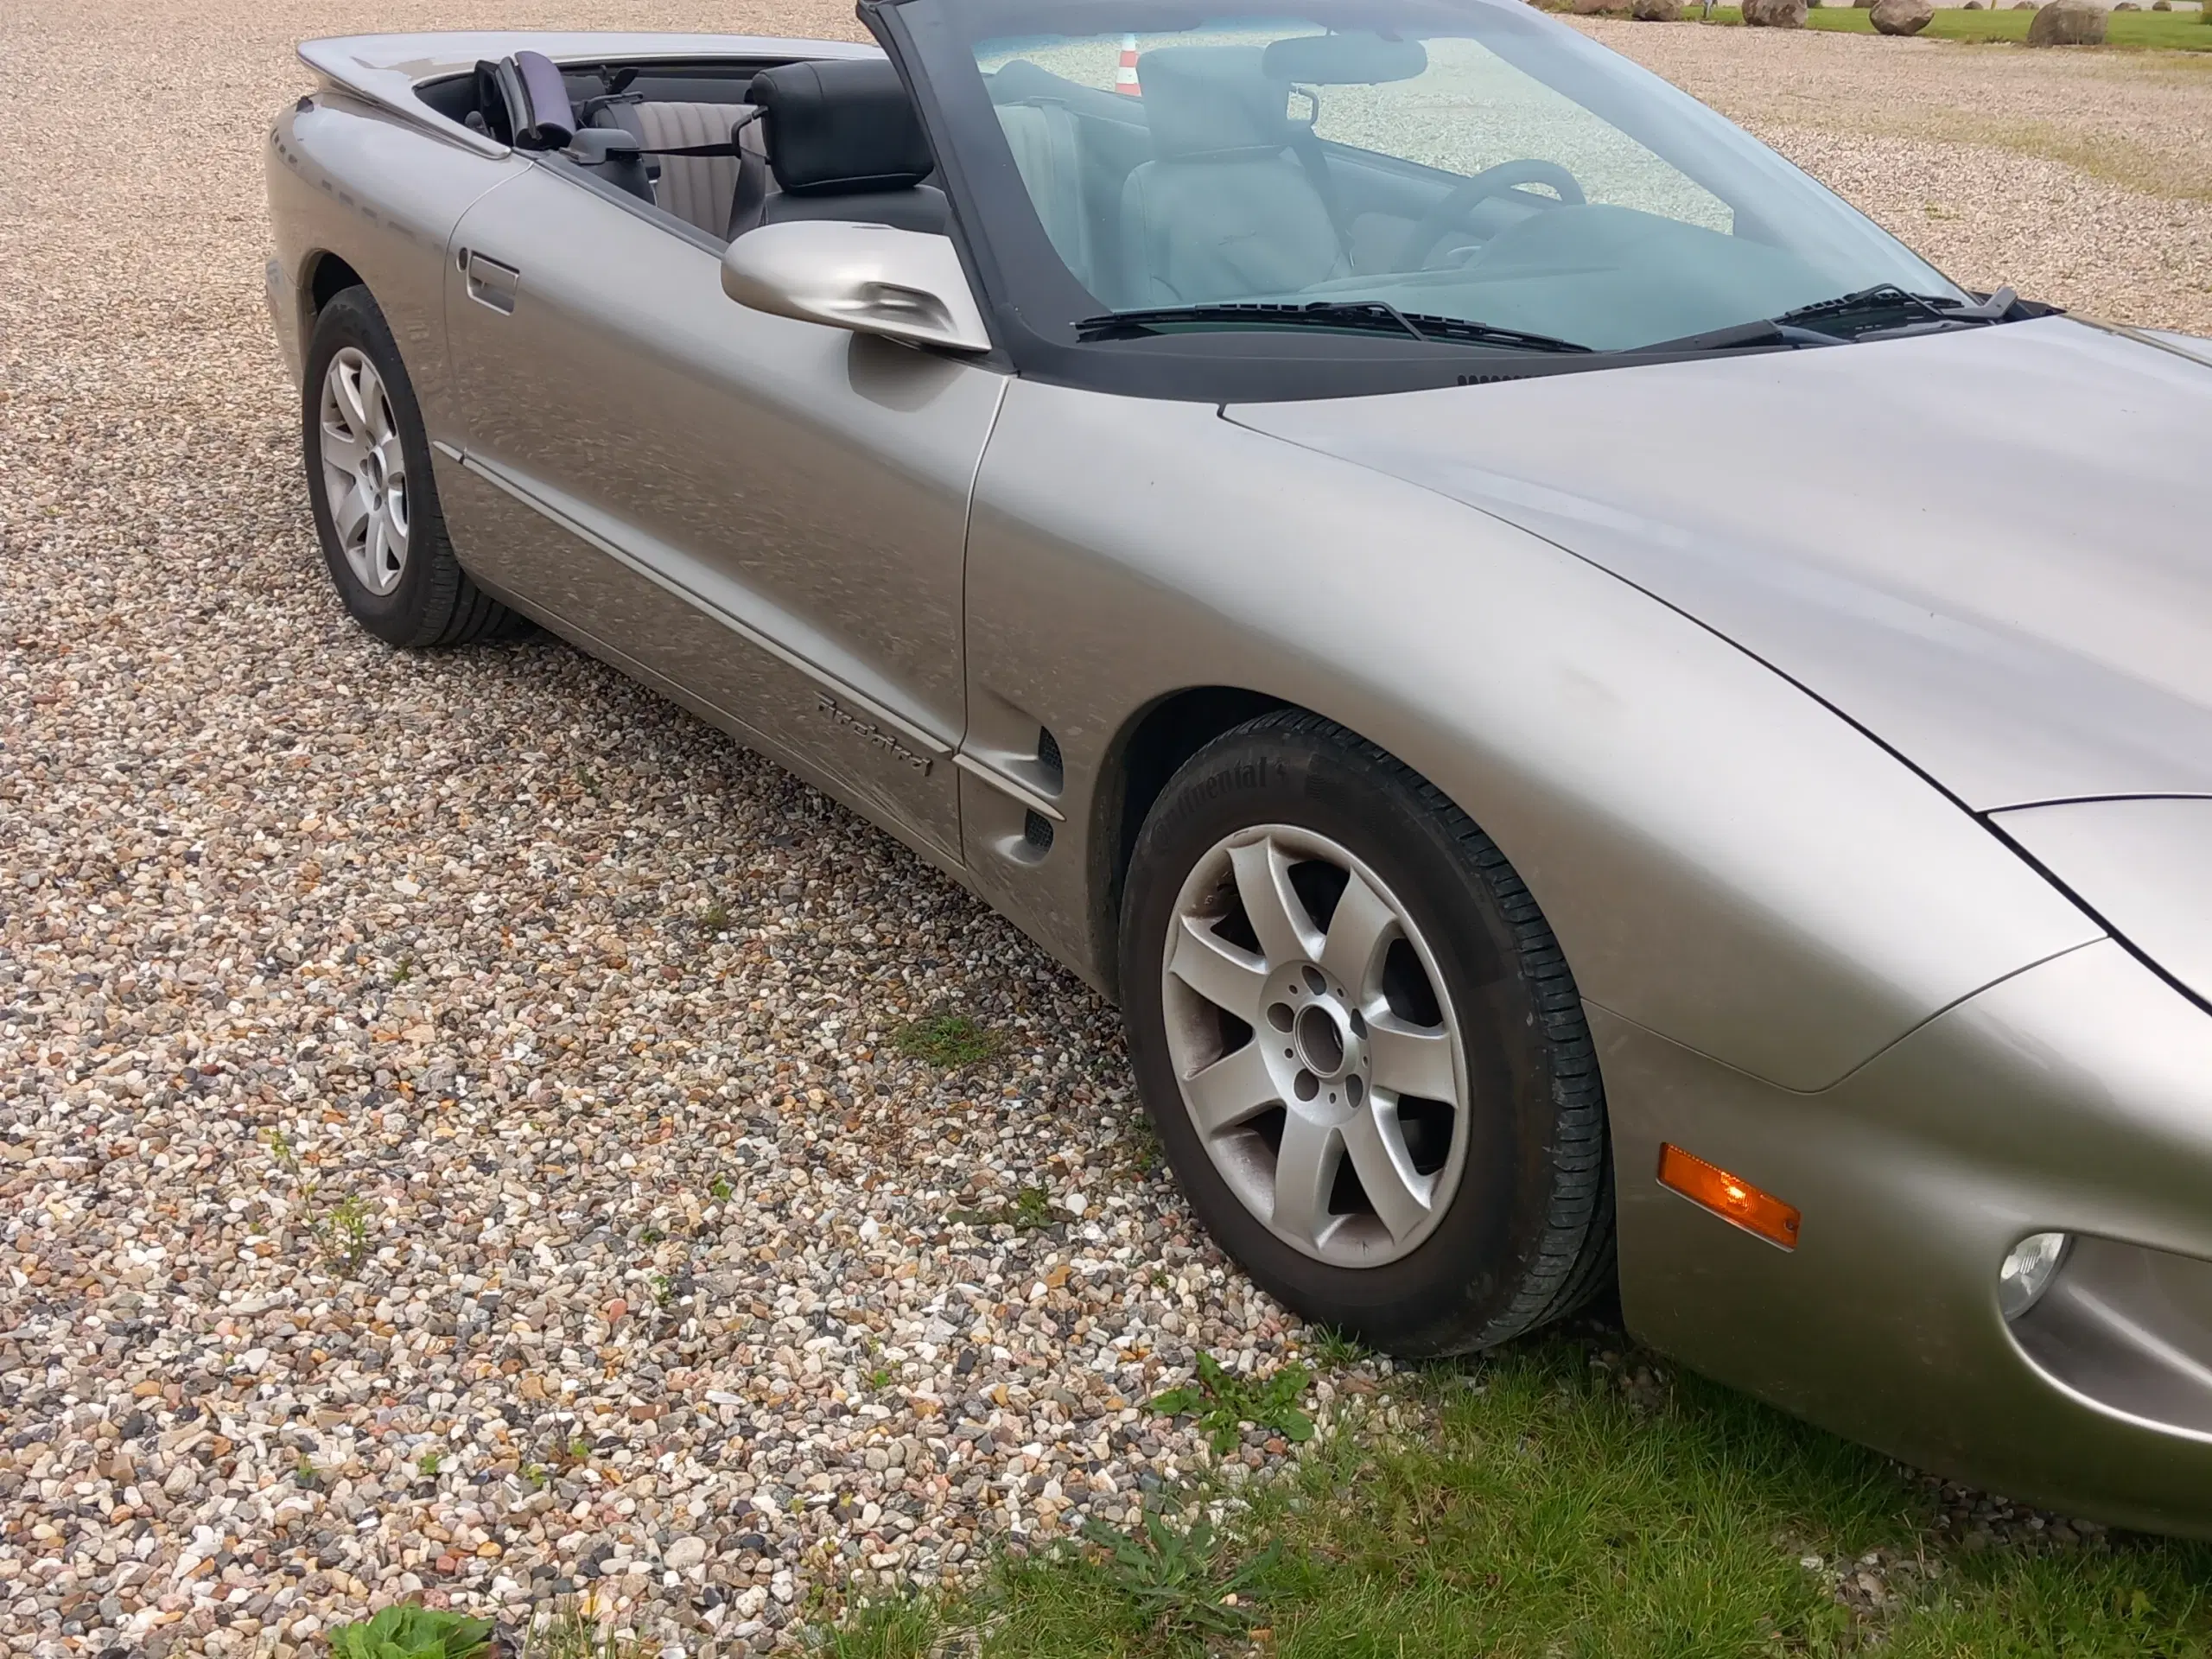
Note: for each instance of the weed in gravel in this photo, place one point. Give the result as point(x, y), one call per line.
point(1223, 1402)
point(719, 1189)
point(286, 1156)
point(343, 1232)
point(1333, 1350)
point(571, 1630)
point(715, 918)
point(1030, 1209)
point(307, 1475)
point(427, 1464)
point(407, 1632)
point(951, 1040)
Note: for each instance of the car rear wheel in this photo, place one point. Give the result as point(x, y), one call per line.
point(375, 501)
point(1360, 1045)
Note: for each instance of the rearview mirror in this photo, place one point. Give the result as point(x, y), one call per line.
point(873, 279)
point(1355, 59)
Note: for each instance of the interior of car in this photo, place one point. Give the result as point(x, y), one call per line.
point(721, 147)
point(1210, 185)
point(1206, 187)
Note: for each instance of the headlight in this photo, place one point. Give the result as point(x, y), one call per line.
point(2028, 1271)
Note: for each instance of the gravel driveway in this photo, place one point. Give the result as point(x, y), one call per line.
point(451, 1136)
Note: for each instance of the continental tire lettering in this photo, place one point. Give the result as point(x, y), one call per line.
point(1244, 775)
point(869, 730)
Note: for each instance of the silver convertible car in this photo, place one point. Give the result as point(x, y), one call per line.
point(1597, 714)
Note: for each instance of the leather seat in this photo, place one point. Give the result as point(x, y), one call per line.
point(697, 190)
point(843, 142)
point(1225, 210)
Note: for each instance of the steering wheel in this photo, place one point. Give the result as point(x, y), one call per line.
point(1413, 252)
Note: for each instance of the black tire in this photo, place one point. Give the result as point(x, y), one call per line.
point(1528, 1235)
point(434, 603)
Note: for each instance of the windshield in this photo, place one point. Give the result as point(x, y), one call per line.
point(1473, 163)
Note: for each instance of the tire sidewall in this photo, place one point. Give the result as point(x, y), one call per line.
point(414, 612)
point(1468, 1273)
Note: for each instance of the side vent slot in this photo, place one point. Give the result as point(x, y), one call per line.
point(1053, 772)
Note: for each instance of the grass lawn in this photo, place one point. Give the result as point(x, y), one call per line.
point(1542, 1506)
point(2172, 31)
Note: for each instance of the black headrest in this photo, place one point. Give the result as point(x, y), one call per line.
point(840, 126)
point(1206, 101)
point(544, 118)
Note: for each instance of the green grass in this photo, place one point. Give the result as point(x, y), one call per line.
point(1550, 1514)
point(2170, 31)
point(948, 1039)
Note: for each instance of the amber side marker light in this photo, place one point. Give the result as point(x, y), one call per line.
point(1729, 1197)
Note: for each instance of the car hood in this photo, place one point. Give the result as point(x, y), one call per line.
point(1992, 549)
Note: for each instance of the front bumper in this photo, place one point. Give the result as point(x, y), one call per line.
point(2074, 1096)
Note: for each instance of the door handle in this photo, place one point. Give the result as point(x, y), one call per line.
point(490, 282)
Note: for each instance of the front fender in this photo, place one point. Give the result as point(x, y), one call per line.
point(1723, 859)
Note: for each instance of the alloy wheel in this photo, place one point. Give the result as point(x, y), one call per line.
point(1317, 1051)
point(365, 471)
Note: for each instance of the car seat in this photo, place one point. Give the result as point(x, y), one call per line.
point(699, 190)
point(841, 141)
point(1225, 210)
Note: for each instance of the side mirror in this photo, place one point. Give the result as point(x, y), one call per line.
point(873, 279)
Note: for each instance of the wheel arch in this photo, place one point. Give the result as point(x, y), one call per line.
point(323, 277)
point(1134, 767)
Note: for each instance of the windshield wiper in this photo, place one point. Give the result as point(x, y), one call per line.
point(1887, 306)
point(1742, 335)
point(1879, 305)
point(1375, 315)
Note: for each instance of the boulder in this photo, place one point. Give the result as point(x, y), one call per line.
point(2024, 5)
point(1902, 16)
point(2126, 5)
point(1600, 8)
point(1774, 14)
point(2067, 22)
point(1656, 11)
point(1971, 5)
point(2162, 5)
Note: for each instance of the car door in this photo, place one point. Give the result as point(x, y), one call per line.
point(766, 516)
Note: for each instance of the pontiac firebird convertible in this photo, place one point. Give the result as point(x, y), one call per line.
point(1596, 712)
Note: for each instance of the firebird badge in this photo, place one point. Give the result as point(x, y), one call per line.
point(874, 734)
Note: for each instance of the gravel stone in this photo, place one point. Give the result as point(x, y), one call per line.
point(451, 1140)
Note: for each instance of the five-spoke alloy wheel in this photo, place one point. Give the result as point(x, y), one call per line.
point(1360, 1045)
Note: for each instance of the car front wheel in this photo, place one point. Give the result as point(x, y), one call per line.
point(1361, 1046)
